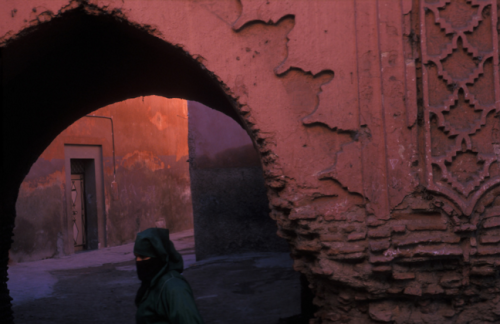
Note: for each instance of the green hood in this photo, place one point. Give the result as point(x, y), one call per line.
point(155, 243)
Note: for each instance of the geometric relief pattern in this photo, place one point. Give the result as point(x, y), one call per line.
point(461, 87)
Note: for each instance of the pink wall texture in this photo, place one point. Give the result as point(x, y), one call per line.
point(377, 124)
point(151, 187)
point(230, 205)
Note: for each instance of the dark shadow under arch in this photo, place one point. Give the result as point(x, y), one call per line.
point(59, 71)
point(77, 63)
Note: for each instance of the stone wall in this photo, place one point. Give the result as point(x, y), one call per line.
point(376, 121)
point(230, 206)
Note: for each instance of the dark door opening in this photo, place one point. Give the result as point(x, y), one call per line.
point(82, 212)
point(78, 211)
point(85, 219)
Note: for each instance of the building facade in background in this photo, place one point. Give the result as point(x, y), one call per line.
point(80, 194)
point(130, 166)
point(230, 205)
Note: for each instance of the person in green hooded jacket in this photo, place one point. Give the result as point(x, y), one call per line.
point(164, 296)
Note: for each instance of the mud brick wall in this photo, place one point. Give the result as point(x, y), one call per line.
point(230, 206)
point(377, 124)
point(434, 255)
point(151, 178)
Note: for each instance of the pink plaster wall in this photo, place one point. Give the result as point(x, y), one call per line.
point(152, 177)
point(374, 120)
point(218, 141)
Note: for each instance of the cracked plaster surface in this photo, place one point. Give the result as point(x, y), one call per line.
point(174, 23)
point(325, 45)
point(356, 146)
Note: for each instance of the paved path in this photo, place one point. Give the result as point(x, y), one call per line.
point(99, 286)
point(32, 280)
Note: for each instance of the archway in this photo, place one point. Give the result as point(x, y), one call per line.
point(150, 188)
point(75, 64)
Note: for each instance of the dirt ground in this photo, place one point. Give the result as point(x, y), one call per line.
point(249, 288)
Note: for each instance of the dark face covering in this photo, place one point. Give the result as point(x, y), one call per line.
point(155, 243)
point(146, 271)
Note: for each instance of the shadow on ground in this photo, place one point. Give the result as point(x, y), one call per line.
point(253, 288)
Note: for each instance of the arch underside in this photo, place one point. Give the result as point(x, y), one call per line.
point(340, 138)
point(77, 63)
point(61, 70)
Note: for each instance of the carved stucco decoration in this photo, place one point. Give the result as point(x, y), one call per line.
point(461, 95)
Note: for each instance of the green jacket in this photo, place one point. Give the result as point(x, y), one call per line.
point(169, 299)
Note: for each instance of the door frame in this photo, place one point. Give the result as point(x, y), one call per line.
point(94, 193)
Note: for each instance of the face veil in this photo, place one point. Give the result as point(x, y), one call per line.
point(148, 269)
point(155, 243)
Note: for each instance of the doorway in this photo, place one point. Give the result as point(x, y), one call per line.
point(78, 210)
point(85, 213)
point(128, 62)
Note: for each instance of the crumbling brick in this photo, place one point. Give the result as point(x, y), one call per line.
point(379, 245)
point(381, 311)
point(448, 209)
point(491, 222)
point(452, 292)
point(426, 226)
point(434, 289)
point(356, 214)
point(379, 232)
point(442, 250)
point(344, 297)
point(332, 238)
point(416, 238)
point(465, 228)
point(403, 275)
point(382, 269)
point(399, 228)
point(349, 228)
point(308, 246)
point(342, 248)
point(305, 212)
point(380, 258)
point(356, 236)
point(482, 271)
point(492, 212)
point(413, 290)
point(373, 221)
point(489, 239)
point(395, 290)
point(359, 256)
point(451, 281)
point(334, 215)
point(488, 250)
point(470, 292)
point(360, 297)
point(448, 312)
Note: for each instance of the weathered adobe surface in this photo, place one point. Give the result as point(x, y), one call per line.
point(388, 197)
point(142, 163)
